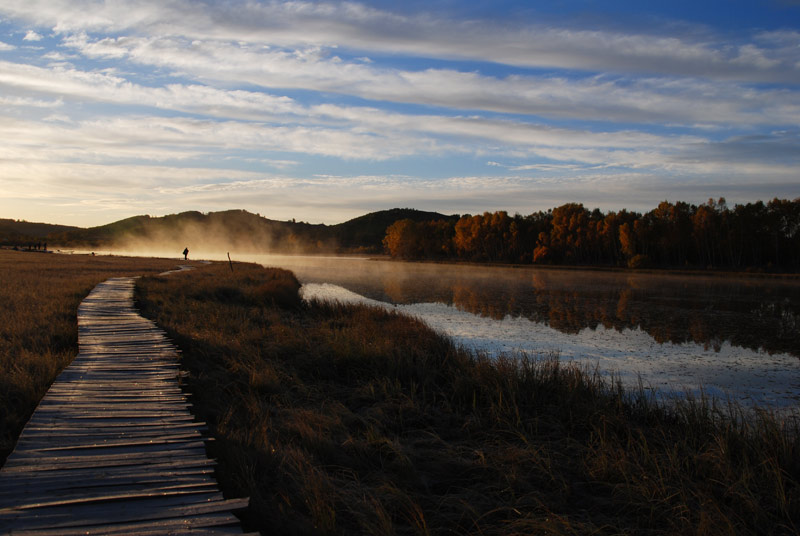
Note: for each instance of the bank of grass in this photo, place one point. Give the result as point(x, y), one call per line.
point(340, 419)
point(39, 297)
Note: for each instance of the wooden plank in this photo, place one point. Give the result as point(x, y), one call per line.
point(59, 487)
point(201, 524)
point(66, 441)
point(113, 448)
point(78, 496)
point(77, 500)
point(26, 464)
point(118, 418)
point(143, 428)
point(57, 478)
point(99, 450)
point(118, 512)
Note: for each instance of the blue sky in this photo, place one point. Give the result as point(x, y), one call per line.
point(324, 111)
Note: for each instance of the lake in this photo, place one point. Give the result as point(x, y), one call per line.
point(730, 336)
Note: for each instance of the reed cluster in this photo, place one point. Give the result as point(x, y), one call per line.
point(39, 298)
point(342, 419)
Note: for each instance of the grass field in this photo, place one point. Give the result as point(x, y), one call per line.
point(39, 298)
point(353, 420)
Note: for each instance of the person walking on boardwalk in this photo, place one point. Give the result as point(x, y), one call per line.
point(186, 254)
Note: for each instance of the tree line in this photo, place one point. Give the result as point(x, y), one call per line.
point(762, 236)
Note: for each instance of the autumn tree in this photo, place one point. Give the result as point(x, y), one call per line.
point(569, 234)
point(612, 237)
point(706, 231)
point(488, 237)
point(755, 235)
point(672, 228)
point(408, 239)
point(402, 239)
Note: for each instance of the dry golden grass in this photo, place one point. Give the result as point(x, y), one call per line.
point(353, 420)
point(39, 298)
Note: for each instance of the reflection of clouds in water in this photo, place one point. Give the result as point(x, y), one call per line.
point(744, 374)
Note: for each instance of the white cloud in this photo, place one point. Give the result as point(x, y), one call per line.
point(247, 60)
point(32, 36)
point(368, 132)
point(595, 98)
point(29, 102)
point(4, 47)
point(360, 133)
point(58, 57)
point(358, 27)
point(105, 87)
point(170, 139)
point(178, 139)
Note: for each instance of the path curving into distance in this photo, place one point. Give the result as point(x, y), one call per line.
point(112, 447)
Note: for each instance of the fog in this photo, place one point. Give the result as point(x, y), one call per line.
point(210, 237)
point(726, 334)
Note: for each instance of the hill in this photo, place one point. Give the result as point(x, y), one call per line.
point(369, 230)
point(242, 231)
point(22, 233)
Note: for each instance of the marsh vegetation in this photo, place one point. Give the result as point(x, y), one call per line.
point(348, 419)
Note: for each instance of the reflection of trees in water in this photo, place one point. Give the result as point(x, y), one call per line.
point(755, 315)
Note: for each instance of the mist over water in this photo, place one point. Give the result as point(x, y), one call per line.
point(733, 337)
point(737, 337)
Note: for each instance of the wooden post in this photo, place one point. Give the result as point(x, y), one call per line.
point(229, 261)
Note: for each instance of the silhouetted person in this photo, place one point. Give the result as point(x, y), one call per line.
point(186, 254)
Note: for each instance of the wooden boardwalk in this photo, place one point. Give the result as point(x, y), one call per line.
point(112, 447)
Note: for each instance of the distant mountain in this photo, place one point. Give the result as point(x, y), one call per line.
point(21, 233)
point(239, 230)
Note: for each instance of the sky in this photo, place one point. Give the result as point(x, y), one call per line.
point(325, 111)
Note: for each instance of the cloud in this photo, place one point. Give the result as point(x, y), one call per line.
point(71, 190)
point(590, 98)
point(175, 139)
point(65, 179)
point(348, 132)
point(6, 47)
point(351, 133)
point(17, 102)
point(67, 81)
point(32, 36)
point(359, 28)
point(211, 105)
point(253, 58)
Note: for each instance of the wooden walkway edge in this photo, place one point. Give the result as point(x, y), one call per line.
point(112, 447)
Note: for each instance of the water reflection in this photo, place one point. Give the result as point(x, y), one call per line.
point(757, 314)
point(747, 376)
point(734, 337)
